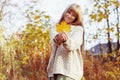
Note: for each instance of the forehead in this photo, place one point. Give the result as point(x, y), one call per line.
point(72, 11)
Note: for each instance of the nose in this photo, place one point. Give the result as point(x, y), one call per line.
point(68, 15)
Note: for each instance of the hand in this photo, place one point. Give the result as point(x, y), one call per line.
point(60, 38)
point(56, 39)
point(64, 36)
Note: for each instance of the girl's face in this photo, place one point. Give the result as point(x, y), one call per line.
point(70, 16)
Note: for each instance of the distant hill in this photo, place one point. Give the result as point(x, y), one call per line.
point(102, 48)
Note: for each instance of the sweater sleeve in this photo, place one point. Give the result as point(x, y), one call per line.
point(75, 39)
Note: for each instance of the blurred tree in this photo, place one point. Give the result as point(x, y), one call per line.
point(26, 53)
point(103, 10)
point(117, 25)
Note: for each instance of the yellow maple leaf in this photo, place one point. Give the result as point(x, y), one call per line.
point(63, 26)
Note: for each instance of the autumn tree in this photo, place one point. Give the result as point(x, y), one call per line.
point(117, 25)
point(103, 10)
point(25, 54)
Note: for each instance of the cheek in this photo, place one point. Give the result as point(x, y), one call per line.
point(66, 15)
point(69, 18)
point(72, 18)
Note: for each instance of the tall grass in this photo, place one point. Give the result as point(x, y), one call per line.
point(100, 67)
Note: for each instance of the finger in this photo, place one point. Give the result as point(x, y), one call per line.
point(57, 37)
point(55, 40)
point(66, 34)
point(61, 38)
point(64, 38)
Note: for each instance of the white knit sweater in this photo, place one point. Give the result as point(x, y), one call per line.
point(66, 59)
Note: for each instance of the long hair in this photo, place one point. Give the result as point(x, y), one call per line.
point(77, 9)
point(78, 21)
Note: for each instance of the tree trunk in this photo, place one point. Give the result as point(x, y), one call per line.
point(109, 42)
point(117, 29)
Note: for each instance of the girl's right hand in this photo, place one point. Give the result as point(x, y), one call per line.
point(57, 39)
point(60, 38)
point(64, 36)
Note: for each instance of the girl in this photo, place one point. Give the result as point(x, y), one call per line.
point(66, 61)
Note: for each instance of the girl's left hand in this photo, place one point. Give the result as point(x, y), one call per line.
point(64, 36)
point(61, 37)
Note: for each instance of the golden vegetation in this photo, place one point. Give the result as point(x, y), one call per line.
point(27, 59)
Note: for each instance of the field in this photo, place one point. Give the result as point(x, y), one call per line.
point(18, 63)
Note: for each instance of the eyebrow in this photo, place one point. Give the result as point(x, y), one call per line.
point(71, 10)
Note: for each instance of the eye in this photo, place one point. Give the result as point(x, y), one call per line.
point(73, 13)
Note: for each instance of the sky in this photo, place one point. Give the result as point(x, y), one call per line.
point(15, 12)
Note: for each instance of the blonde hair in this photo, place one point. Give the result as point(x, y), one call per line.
point(79, 21)
point(76, 8)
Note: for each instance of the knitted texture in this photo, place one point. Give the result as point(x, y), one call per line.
point(66, 59)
